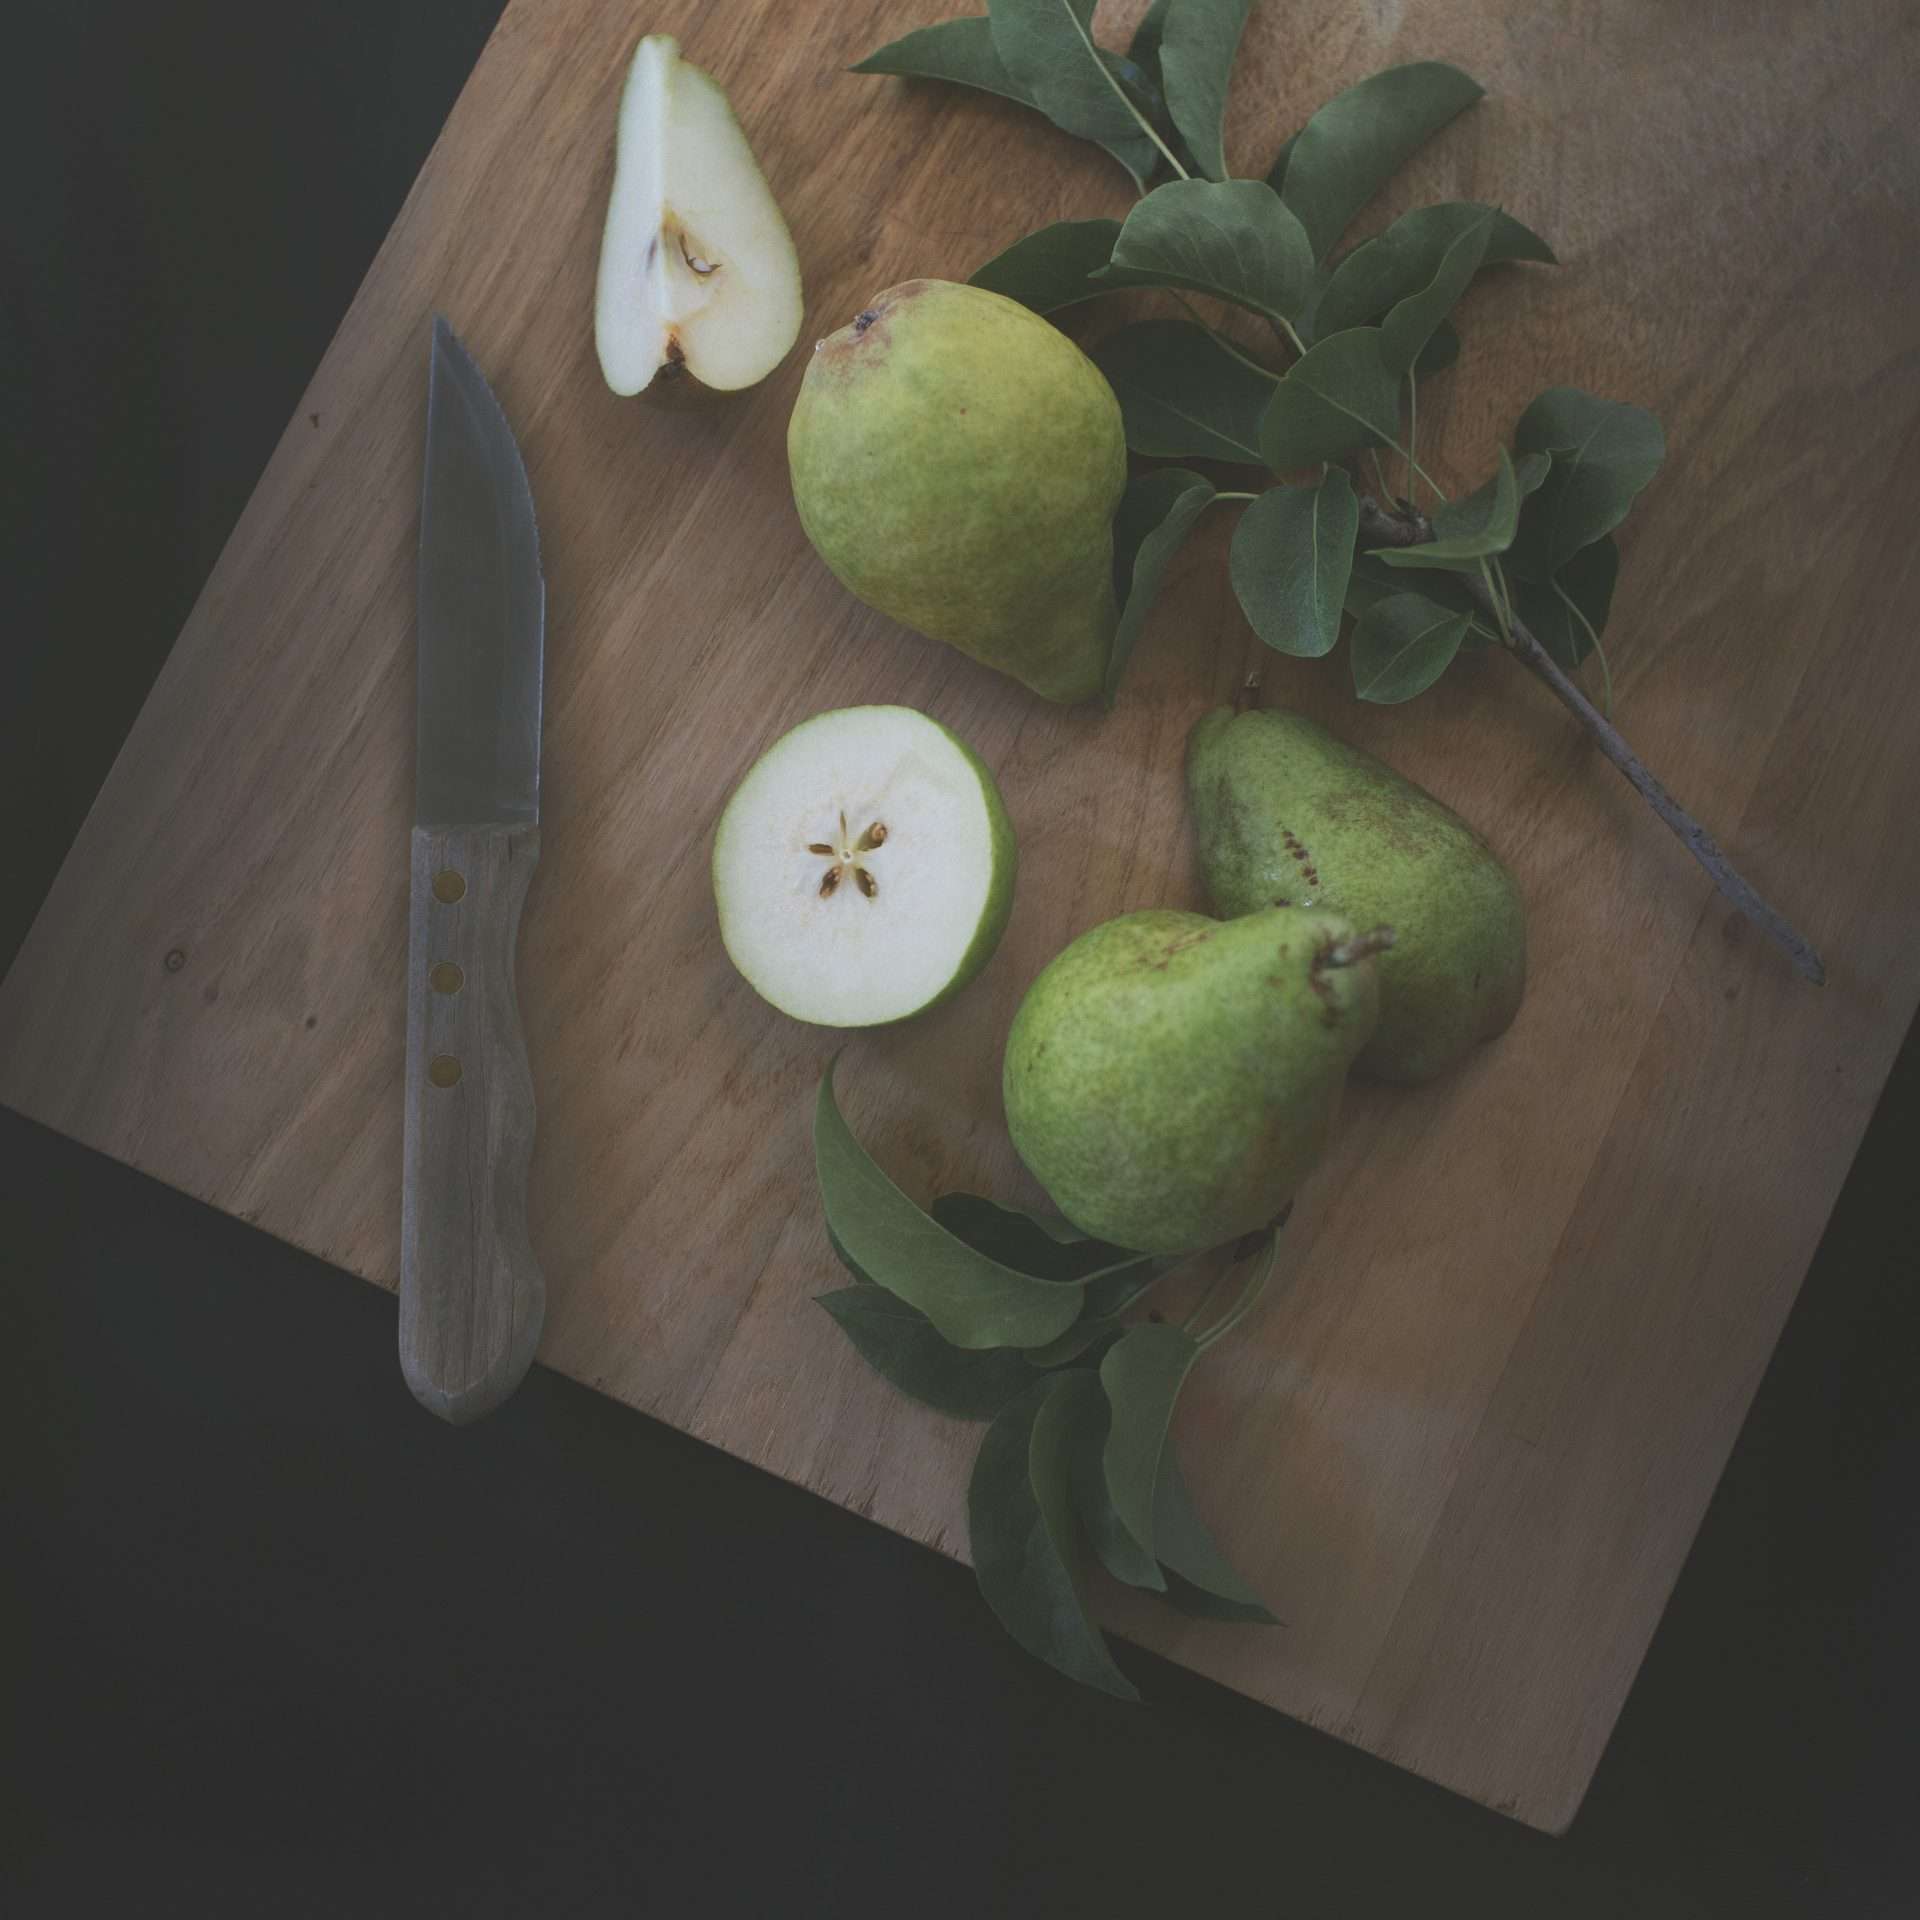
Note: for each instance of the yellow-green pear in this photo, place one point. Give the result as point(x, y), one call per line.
point(1170, 1079)
point(1288, 816)
point(957, 462)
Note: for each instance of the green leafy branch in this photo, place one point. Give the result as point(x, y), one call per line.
point(1018, 1319)
point(1526, 563)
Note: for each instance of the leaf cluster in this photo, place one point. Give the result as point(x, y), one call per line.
point(989, 1313)
point(1357, 329)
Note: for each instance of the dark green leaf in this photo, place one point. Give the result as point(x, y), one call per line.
point(1084, 1404)
point(1231, 238)
point(1476, 527)
point(1182, 395)
point(1156, 513)
point(1195, 42)
point(1048, 269)
point(1402, 645)
point(1277, 173)
point(1292, 552)
point(1588, 580)
point(1025, 1539)
point(1048, 1246)
point(963, 52)
point(1440, 352)
point(973, 1301)
point(1109, 1295)
point(1144, 48)
point(1371, 582)
point(1200, 1579)
point(960, 51)
point(1472, 509)
point(1143, 1373)
point(1349, 150)
point(1048, 47)
point(1379, 272)
point(1052, 1248)
point(1410, 323)
point(1335, 399)
point(1604, 452)
point(847, 1260)
point(903, 1346)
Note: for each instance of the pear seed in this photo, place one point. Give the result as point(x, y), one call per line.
point(866, 882)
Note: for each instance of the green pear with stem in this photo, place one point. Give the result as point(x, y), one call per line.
point(1288, 816)
point(957, 462)
point(1171, 1079)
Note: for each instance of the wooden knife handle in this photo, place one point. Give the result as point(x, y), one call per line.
point(471, 1296)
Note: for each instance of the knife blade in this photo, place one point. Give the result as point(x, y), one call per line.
point(471, 1293)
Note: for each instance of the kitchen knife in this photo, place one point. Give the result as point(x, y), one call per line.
point(471, 1295)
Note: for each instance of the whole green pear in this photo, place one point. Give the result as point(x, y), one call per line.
point(1289, 816)
point(1170, 1079)
point(957, 462)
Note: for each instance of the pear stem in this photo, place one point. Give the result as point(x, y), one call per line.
point(1250, 1295)
point(1381, 528)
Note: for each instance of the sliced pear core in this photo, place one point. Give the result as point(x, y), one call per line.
point(699, 281)
point(864, 868)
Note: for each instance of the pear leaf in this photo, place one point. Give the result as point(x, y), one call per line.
point(1230, 238)
point(1292, 553)
point(1475, 528)
point(1144, 48)
point(1587, 580)
point(1109, 1295)
point(1441, 351)
point(1348, 151)
point(1156, 513)
point(1048, 47)
point(1050, 269)
point(963, 52)
point(1025, 1540)
point(1116, 1549)
point(1192, 45)
point(1410, 323)
point(960, 51)
point(1182, 395)
point(1142, 1373)
point(1402, 645)
point(1200, 1579)
point(1472, 510)
point(1048, 1246)
point(1335, 399)
point(904, 1347)
point(1375, 275)
point(1604, 452)
point(972, 1301)
point(1373, 581)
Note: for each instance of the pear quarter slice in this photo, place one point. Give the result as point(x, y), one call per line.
point(699, 283)
point(864, 868)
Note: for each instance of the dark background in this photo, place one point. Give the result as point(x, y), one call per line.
point(282, 1644)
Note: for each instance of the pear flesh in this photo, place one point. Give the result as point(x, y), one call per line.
point(864, 868)
point(1170, 1079)
point(1288, 816)
point(957, 463)
point(699, 284)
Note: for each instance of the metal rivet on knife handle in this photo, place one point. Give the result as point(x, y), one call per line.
point(449, 885)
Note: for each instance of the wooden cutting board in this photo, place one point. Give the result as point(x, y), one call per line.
point(1465, 1453)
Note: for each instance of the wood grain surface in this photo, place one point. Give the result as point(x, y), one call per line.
point(1465, 1452)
